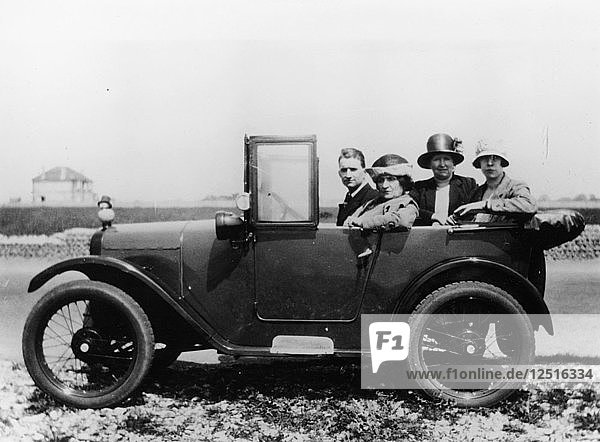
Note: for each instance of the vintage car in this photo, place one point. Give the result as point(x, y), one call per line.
point(273, 282)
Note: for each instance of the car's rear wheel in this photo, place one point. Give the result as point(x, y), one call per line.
point(88, 344)
point(470, 324)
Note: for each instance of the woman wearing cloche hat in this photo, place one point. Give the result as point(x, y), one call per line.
point(500, 195)
point(393, 207)
point(443, 193)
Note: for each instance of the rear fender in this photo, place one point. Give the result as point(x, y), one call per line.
point(478, 269)
point(133, 281)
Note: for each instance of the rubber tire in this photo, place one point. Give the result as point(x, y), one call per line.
point(450, 293)
point(76, 290)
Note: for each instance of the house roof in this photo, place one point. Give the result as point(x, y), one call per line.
point(61, 174)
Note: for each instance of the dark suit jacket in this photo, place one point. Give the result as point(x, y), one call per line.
point(351, 204)
point(424, 194)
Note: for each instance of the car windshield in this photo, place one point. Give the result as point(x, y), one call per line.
point(283, 182)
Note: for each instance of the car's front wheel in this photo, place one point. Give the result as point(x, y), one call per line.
point(88, 344)
point(463, 331)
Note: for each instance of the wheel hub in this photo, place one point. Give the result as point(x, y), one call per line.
point(472, 344)
point(86, 342)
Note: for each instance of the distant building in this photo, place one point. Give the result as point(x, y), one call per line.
point(62, 185)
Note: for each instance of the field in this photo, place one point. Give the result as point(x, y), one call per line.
point(49, 220)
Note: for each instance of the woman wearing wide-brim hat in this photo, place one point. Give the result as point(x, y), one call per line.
point(500, 198)
point(443, 193)
point(393, 208)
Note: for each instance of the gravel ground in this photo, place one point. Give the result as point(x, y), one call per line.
point(288, 402)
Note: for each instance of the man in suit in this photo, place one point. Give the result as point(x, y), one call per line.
point(443, 193)
point(352, 172)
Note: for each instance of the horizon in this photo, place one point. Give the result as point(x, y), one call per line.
point(225, 203)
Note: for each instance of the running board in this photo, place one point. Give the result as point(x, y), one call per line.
point(302, 345)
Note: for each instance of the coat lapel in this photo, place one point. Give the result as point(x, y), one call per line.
point(430, 193)
point(503, 187)
point(456, 191)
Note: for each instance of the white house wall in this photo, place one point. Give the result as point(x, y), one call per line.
point(62, 192)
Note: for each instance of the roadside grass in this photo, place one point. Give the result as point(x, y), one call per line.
point(49, 220)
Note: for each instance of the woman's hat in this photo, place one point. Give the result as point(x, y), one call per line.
point(105, 199)
point(441, 143)
point(390, 164)
point(485, 151)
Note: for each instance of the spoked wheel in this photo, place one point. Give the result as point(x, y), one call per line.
point(472, 325)
point(88, 344)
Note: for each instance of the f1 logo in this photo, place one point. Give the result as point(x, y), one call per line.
point(388, 341)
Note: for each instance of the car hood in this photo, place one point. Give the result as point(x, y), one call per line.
point(144, 236)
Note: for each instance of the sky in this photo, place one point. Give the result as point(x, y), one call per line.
point(151, 100)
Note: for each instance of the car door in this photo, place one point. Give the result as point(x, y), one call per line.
point(303, 271)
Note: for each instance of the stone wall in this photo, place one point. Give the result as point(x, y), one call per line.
point(585, 246)
point(67, 244)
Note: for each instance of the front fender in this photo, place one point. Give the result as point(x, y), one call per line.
point(486, 271)
point(89, 266)
point(96, 266)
